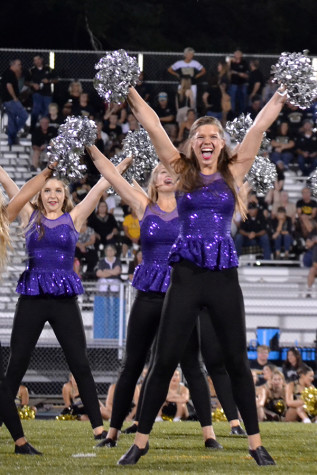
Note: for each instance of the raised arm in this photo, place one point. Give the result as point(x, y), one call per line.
point(11, 188)
point(81, 212)
point(150, 121)
point(253, 138)
point(136, 199)
point(26, 193)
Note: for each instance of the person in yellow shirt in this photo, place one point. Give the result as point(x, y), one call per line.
point(131, 228)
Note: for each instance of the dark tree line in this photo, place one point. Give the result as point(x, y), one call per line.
point(255, 26)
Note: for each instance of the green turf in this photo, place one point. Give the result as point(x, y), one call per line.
point(175, 448)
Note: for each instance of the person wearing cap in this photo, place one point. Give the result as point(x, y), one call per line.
point(188, 69)
point(253, 232)
point(306, 148)
point(167, 114)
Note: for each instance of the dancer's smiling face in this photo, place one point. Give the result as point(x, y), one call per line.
point(207, 144)
point(53, 195)
point(163, 179)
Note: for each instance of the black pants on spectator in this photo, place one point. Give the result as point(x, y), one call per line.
point(193, 288)
point(143, 325)
point(214, 361)
point(8, 411)
point(64, 316)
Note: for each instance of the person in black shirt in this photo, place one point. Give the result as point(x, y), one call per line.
point(282, 232)
point(17, 115)
point(256, 80)
point(306, 211)
point(239, 74)
point(41, 76)
point(167, 114)
point(262, 359)
point(253, 232)
point(306, 148)
point(83, 107)
point(41, 137)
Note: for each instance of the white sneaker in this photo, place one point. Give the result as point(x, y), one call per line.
point(306, 420)
point(158, 419)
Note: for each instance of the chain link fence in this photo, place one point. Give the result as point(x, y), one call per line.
point(79, 65)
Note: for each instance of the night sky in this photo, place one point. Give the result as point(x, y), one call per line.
point(255, 26)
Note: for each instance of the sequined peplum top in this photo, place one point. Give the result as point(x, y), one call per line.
point(49, 269)
point(205, 216)
point(159, 230)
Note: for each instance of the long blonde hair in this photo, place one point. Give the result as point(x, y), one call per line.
point(151, 189)
point(38, 206)
point(5, 240)
point(188, 169)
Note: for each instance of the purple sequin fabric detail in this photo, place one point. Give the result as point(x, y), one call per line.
point(49, 269)
point(159, 230)
point(205, 226)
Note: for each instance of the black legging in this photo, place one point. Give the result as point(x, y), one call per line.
point(143, 325)
point(214, 361)
point(64, 316)
point(8, 411)
point(191, 289)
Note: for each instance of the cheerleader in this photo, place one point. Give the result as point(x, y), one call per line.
point(204, 261)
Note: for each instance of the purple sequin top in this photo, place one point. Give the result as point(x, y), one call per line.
point(205, 216)
point(159, 229)
point(49, 270)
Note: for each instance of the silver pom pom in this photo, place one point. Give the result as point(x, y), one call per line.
point(67, 148)
point(262, 175)
point(238, 127)
point(295, 72)
point(117, 71)
point(312, 183)
point(138, 145)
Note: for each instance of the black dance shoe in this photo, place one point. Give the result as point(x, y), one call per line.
point(131, 430)
point(261, 456)
point(133, 454)
point(237, 430)
point(213, 444)
point(101, 436)
point(110, 443)
point(26, 449)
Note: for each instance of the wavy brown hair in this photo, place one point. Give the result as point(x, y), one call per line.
point(38, 206)
point(5, 240)
point(188, 169)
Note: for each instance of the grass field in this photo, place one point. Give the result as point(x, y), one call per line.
point(175, 448)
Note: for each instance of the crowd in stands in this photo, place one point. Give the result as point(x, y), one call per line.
point(278, 393)
point(276, 227)
point(279, 390)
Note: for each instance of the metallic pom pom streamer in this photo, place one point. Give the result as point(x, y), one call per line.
point(218, 415)
point(312, 183)
point(309, 396)
point(138, 145)
point(238, 127)
point(262, 175)
point(26, 413)
point(117, 71)
point(66, 417)
point(295, 72)
point(279, 406)
point(67, 148)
